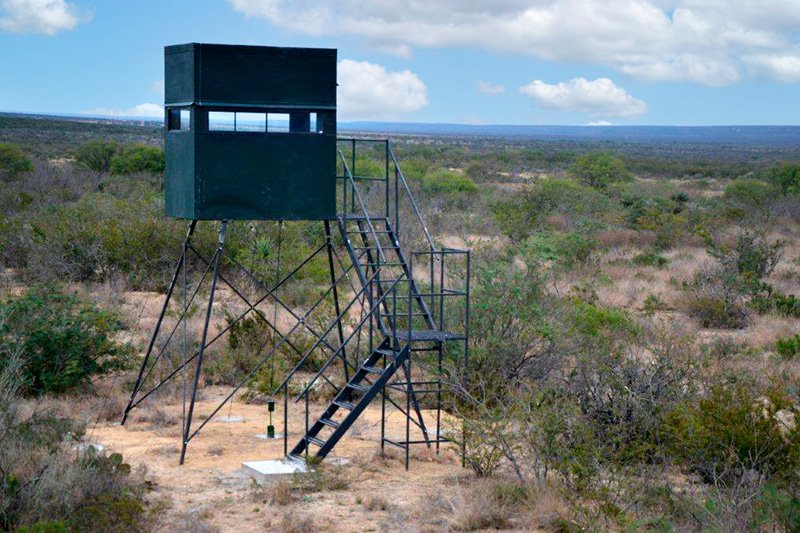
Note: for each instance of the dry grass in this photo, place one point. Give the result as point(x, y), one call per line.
point(476, 507)
point(155, 418)
point(292, 523)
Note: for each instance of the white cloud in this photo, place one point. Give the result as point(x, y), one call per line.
point(783, 67)
point(147, 110)
point(488, 87)
point(600, 123)
point(600, 97)
point(38, 16)
point(368, 91)
point(704, 41)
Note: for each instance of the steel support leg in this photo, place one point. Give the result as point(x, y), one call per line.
point(336, 298)
point(199, 367)
point(170, 290)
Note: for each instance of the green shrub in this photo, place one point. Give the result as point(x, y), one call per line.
point(650, 258)
point(731, 431)
point(787, 177)
point(97, 155)
point(753, 255)
point(770, 301)
point(568, 249)
point(750, 195)
point(13, 161)
point(61, 341)
point(593, 321)
point(448, 182)
point(600, 169)
point(138, 158)
point(788, 347)
point(716, 299)
point(520, 216)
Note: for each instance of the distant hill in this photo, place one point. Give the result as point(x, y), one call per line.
point(729, 135)
point(737, 135)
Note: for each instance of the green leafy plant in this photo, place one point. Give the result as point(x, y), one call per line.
point(448, 182)
point(600, 169)
point(138, 158)
point(97, 155)
point(62, 342)
point(788, 347)
point(13, 161)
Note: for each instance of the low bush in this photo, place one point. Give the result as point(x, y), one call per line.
point(788, 347)
point(97, 155)
point(138, 158)
point(600, 169)
point(566, 249)
point(448, 182)
point(13, 161)
point(61, 342)
point(749, 195)
point(45, 485)
point(732, 432)
point(715, 298)
point(650, 258)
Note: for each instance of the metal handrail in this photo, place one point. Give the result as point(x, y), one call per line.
point(349, 175)
point(325, 333)
point(414, 205)
point(356, 329)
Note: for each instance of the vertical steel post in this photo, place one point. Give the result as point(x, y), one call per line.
point(199, 367)
point(137, 386)
point(335, 294)
point(386, 175)
point(383, 410)
point(286, 419)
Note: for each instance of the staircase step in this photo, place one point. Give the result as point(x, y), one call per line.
point(388, 352)
point(373, 369)
point(358, 387)
point(296, 458)
point(331, 423)
point(315, 440)
point(344, 405)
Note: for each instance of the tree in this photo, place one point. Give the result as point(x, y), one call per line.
point(13, 161)
point(97, 155)
point(600, 169)
point(138, 158)
point(787, 177)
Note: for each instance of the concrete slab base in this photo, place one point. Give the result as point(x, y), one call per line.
point(263, 436)
point(273, 470)
point(230, 419)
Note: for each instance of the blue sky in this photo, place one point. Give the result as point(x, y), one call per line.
point(663, 62)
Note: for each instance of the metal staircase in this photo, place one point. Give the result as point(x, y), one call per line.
point(401, 317)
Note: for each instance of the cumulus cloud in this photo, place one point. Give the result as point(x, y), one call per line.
point(38, 16)
point(368, 91)
point(146, 110)
point(704, 41)
point(600, 97)
point(783, 67)
point(488, 87)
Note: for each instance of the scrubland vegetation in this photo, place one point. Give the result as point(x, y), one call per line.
point(636, 328)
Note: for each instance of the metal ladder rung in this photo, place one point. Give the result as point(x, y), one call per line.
point(315, 440)
point(344, 405)
point(358, 387)
point(330, 423)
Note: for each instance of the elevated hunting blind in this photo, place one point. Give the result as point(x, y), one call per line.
point(251, 135)
point(251, 132)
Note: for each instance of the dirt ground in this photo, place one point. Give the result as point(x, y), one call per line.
point(212, 491)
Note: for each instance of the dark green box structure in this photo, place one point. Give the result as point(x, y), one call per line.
point(251, 132)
